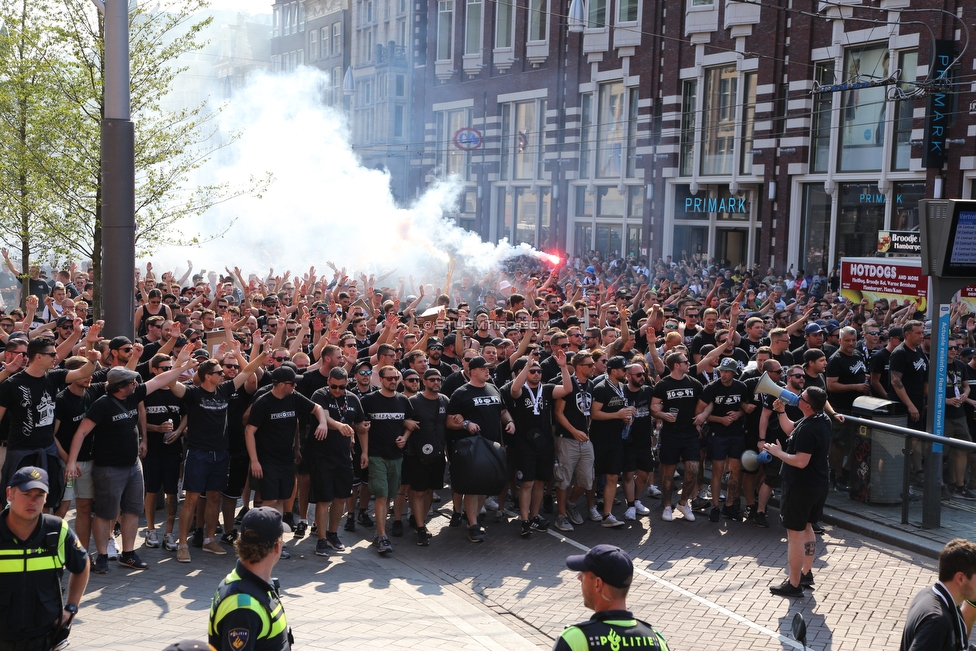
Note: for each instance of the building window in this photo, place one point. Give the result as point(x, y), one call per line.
point(472, 32)
point(815, 228)
point(368, 11)
point(597, 15)
point(901, 153)
point(504, 24)
point(313, 45)
point(626, 11)
point(336, 38)
point(402, 32)
point(822, 106)
point(586, 133)
point(301, 17)
point(611, 130)
point(451, 159)
point(631, 133)
point(398, 121)
point(523, 126)
point(445, 29)
point(748, 121)
point(276, 22)
point(689, 98)
point(325, 43)
point(718, 120)
point(863, 111)
point(336, 85)
point(538, 20)
point(525, 211)
point(904, 213)
point(368, 42)
point(401, 85)
point(702, 3)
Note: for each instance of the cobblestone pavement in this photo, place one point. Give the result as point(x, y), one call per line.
point(703, 584)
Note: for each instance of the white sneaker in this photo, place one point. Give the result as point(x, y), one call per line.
point(653, 491)
point(611, 522)
point(705, 494)
point(483, 511)
point(113, 552)
point(562, 523)
point(170, 542)
point(152, 538)
point(686, 512)
point(491, 503)
point(641, 509)
point(667, 515)
point(595, 515)
point(630, 513)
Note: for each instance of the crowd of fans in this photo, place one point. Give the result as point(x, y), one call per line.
point(598, 377)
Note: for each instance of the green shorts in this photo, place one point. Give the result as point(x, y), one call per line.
point(384, 476)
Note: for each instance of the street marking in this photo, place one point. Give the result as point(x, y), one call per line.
point(691, 595)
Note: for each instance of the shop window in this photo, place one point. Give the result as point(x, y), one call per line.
point(822, 104)
point(904, 213)
point(815, 228)
point(718, 120)
point(860, 216)
point(582, 238)
point(690, 243)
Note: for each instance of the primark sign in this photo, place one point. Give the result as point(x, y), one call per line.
point(728, 204)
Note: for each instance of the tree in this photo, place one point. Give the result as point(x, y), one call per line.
point(30, 107)
point(170, 144)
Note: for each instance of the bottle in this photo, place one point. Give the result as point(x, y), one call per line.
point(166, 434)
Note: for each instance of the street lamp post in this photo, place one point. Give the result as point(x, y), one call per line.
point(118, 176)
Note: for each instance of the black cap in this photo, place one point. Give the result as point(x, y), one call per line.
point(434, 342)
point(30, 477)
point(966, 352)
point(119, 342)
point(477, 362)
point(190, 645)
point(450, 339)
point(431, 372)
point(616, 362)
point(610, 563)
point(896, 332)
point(283, 374)
point(261, 524)
point(361, 363)
point(64, 320)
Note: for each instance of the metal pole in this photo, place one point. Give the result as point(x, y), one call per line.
point(118, 178)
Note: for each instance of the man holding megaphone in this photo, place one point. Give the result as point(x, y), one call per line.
point(769, 426)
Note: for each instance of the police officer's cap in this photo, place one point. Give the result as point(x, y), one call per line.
point(262, 524)
point(30, 477)
point(189, 645)
point(608, 562)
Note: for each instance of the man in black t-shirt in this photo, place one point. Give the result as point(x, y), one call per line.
point(161, 463)
point(530, 402)
point(728, 400)
point(612, 418)
point(390, 416)
point(880, 373)
point(27, 399)
point(770, 430)
point(909, 375)
point(272, 441)
point(330, 466)
point(805, 486)
point(477, 407)
point(116, 470)
point(207, 463)
point(423, 459)
point(639, 461)
point(846, 380)
point(674, 404)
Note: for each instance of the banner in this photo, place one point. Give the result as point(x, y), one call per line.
point(875, 280)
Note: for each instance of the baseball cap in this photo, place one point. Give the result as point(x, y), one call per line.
point(608, 562)
point(261, 524)
point(590, 270)
point(361, 363)
point(63, 321)
point(30, 477)
point(896, 332)
point(120, 375)
point(832, 328)
point(450, 339)
point(189, 645)
point(813, 329)
point(409, 373)
point(616, 362)
point(477, 362)
point(967, 352)
point(813, 354)
point(283, 374)
point(431, 372)
point(729, 364)
point(119, 342)
point(434, 342)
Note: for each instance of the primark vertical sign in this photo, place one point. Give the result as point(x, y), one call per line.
point(938, 111)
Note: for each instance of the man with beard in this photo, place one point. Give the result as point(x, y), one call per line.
point(771, 432)
point(846, 380)
point(675, 401)
point(574, 451)
point(424, 461)
point(639, 462)
point(726, 441)
point(612, 415)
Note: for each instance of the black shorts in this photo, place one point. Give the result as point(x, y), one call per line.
point(277, 482)
point(721, 448)
point(421, 476)
point(608, 455)
point(674, 450)
point(801, 506)
point(240, 468)
point(533, 462)
point(639, 456)
point(773, 478)
point(162, 471)
point(327, 480)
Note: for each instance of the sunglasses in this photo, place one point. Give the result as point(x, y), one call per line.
point(535, 371)
point(795, 375)
point(231, 365)
point(281, 359)
point(365, 372)
point(411, 379)
point(218, 372)
point(434, 379)
point(337, 387)
point(165, 368)
point(388, 377)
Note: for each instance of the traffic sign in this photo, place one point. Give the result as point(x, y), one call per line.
point(467, 139)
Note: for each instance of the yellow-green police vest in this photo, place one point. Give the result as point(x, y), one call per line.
point(236, 592)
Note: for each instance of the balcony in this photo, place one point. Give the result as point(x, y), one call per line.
point(390, 55)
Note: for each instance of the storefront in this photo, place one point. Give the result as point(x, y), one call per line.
point(714, 223)
point(830, 229)
point(607, 220)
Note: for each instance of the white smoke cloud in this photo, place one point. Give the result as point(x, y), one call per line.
point(322, 205)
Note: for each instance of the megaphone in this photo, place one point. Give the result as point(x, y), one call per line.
point(751, 460)
point(770, 388)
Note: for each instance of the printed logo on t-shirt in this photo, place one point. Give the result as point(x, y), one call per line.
point(485, 401)
point(281, 414)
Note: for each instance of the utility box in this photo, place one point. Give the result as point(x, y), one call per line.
point(877, 457)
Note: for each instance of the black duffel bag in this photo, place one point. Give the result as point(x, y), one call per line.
point(478, 466)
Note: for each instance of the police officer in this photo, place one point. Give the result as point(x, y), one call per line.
point(605, 574)
point(34, 550)
point(246, 613)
